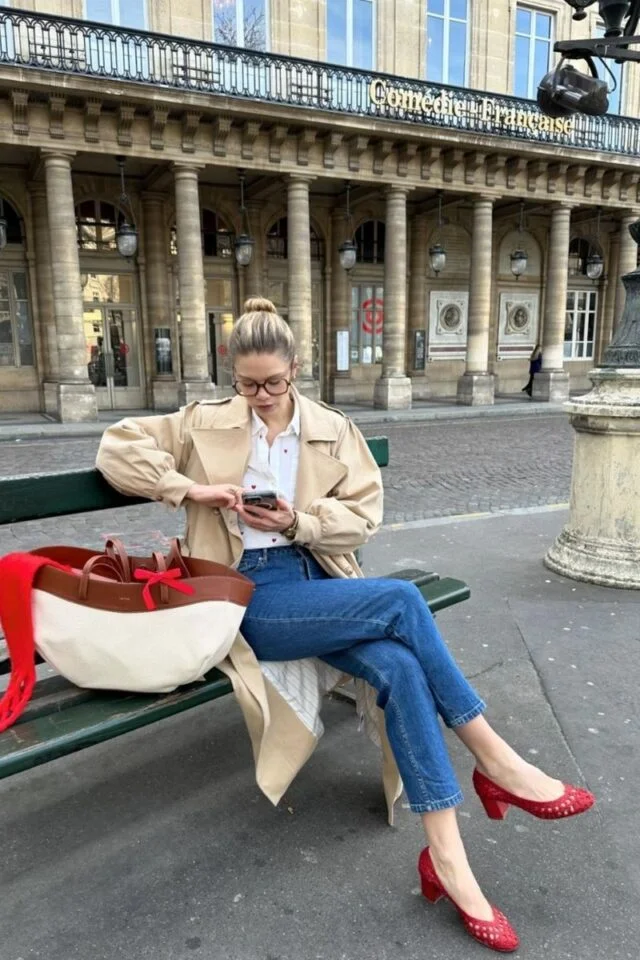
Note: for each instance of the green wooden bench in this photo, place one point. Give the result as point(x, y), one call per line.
point(61, 718)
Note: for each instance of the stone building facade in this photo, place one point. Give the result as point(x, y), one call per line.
point(407, 128)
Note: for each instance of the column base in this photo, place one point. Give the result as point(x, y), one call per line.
point(308, 388)
point(164, 394)
point(50, 397)
point(551, 387)
point(76, 402)
point(603, 561)
point(392, 393)
point(190, 390)
point(476, 389)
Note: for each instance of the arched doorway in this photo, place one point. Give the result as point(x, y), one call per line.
point(111, 313)
point(278, 286)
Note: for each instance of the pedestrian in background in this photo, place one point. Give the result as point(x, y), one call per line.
point(535, 366)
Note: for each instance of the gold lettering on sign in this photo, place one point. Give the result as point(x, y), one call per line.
point(486, 110)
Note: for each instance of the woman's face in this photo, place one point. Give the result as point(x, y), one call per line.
point(263, 379)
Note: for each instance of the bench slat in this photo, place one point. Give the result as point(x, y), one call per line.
point(444, 593)
point(42, 495)
point(100, 717)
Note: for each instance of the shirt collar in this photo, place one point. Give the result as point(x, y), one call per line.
point(258, 425)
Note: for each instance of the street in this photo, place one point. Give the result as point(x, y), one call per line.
point(439, 468)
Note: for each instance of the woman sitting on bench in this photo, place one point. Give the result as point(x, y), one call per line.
point(310, 598)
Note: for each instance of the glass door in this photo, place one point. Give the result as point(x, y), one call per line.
point(113, 358)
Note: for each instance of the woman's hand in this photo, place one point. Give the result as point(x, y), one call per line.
point(222, 495)
point(269, 521)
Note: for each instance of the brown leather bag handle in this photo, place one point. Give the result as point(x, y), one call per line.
point(175, 558)
point(95, 563)
point(161, 566)
point(116, 549)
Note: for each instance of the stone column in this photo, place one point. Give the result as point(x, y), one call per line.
point(552, 383)
point(196, 382)
point(476, 385)
point(44, 287)
point(627, 262)
point(160, 311)
point(393, 389)
point(418, 288)
point(342, 386)
point(75, 394)
point(610, 289)
point(299, 277)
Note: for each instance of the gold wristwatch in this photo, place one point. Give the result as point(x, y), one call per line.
point(290, 532)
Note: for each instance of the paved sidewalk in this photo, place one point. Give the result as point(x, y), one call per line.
point(158, 846)
point(35, 426)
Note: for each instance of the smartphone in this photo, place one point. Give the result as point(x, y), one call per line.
point(261, 498)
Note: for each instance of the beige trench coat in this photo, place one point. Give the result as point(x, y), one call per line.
point(339, 503)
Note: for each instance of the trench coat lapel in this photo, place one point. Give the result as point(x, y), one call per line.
point(318, 472)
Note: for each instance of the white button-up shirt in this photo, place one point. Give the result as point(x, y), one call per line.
point(272, 468)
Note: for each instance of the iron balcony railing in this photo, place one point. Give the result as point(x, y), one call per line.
point(100, 51)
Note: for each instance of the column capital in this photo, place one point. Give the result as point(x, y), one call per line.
point(185, 168)
point(563, 206)
point(398, 188)
point(300, 178)
point(628, 216)
point(65, 155)
point(484, 198)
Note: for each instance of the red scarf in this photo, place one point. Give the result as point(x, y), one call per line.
point(18, 572)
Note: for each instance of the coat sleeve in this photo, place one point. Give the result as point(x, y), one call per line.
point(140, 457)
point(343, 522)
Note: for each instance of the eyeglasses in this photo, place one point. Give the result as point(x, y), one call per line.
point(274, 386)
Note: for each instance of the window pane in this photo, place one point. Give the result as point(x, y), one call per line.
point(436, 6)
point(457, 53)
point(132, 14)
point(435, 49)
point(225, 22)
point(255, 25)
point(4, 290)
point(543, 25)
point(99, 10)
point(523, 21)
point(458, 9)
point(521, 79)
point(25, 338)
point(541, 62)
point(363, 34)
point(337, 31)
point(6, 337)
point(20, 286)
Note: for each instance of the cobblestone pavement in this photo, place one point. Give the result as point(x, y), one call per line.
point(437, 469)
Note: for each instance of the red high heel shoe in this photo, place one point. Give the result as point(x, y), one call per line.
point(497, 801)
point(497, 934)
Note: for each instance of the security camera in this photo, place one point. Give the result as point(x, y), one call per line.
point(565, 91)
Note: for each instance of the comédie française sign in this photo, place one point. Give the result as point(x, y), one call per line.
point(473, 110)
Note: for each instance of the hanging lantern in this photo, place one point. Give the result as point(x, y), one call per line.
point(126, 234)
point(244, 243)
point(519, 257)
point(347, 251)
point(437, 253)
point(595, 266)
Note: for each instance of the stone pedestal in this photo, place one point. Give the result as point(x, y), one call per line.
point(601, 541)
point(190, 390)
point(551, 386)
point(392, 393)
point(164, 394)
point(76, 402)
point(50, 397)
point(476, 389)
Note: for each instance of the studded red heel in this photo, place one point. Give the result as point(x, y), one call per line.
point(497, 934)
point(497, 801)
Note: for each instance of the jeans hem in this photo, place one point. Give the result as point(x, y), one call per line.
point(454, 801)
point(468, 716)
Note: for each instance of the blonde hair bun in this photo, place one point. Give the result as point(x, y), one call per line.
point(259, 305)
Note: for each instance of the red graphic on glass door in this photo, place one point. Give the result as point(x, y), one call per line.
point(372, 315)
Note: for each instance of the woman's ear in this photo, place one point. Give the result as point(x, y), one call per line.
point(294, 368)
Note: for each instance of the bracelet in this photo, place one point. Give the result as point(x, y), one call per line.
point(290, 532)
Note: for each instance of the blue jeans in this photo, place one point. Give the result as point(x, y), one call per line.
point(380, 630)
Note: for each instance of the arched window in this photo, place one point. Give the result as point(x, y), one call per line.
point(14, 224)
point(369, 240)
point(97, 223)
point(217, 239)
point(16, 335)
point(278, 242)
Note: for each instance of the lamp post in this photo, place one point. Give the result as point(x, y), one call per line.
point(601, 541)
